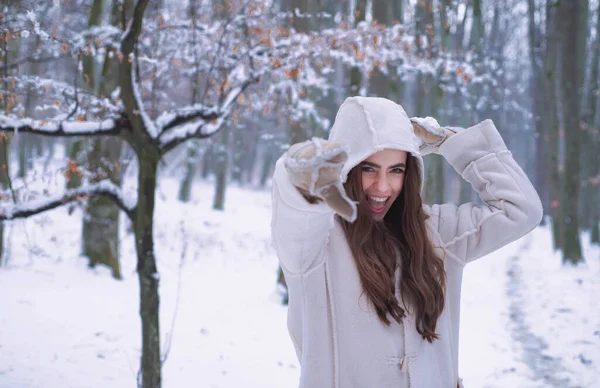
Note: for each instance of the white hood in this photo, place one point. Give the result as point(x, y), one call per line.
point(367, 125)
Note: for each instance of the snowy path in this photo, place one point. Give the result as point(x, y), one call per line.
point(546, 369)
point(561, 310)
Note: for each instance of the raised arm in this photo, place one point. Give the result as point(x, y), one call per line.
point(511, 208)
point(307, 191)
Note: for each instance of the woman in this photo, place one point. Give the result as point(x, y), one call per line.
point(374, 291)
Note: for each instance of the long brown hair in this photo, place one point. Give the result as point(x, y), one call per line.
point(376, 246)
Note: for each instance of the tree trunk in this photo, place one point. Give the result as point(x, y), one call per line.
point(435, 182)
point(252, 156)
point(428, 101)
point(191, 160)
point(267, 165)
point(537, 94)
point(445, 27)
point(379, 84)
point(551, 119)
point(221, 171)
point(460, 32)
point(571, 68)
point(27, 140)
point(4, 179)
point(356, 82)
point(5, 108)
point(299, 131)
point(459, 103)
point(74, 177)
point(208, 161)
point(147, 274)
point(436, 171)
point(101, 223)
point(591, 143)
point(595, 235)
point(390, 85)
point(89, 63)
point(89, 81)
point(238, 146)
point(191, 163)
point(22, 158)
point(477, 30)
point(101, 220)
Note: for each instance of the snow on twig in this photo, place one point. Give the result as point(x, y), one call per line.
point(58, 128)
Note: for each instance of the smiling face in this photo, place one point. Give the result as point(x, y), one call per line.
point(382, 177)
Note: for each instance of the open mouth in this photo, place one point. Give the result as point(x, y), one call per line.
point(377, 204)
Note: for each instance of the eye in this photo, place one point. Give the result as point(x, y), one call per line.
point(398, 170)
point(366, 169)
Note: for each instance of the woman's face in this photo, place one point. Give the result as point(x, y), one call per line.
point(382, 176)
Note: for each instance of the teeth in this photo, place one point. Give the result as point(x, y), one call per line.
point(377, 199)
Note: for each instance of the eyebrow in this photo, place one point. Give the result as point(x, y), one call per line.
point(378, 166)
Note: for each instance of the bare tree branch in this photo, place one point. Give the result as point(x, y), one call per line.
point(127, 78)
point(11, 211)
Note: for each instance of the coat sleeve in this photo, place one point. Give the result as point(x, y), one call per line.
point(511, 208)
point(299, 230)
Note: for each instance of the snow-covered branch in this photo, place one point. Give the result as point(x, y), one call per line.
point(169, 120)
point(191, 123)
point(62, 128)
point(10, 211)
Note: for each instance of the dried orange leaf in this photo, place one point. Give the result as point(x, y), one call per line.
point(73, 166)
point(293, 74)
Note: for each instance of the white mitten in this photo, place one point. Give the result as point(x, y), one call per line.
point(431, 134)
point(314, 167)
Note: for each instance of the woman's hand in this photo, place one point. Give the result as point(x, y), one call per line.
point(314, 167)
point(431, 134)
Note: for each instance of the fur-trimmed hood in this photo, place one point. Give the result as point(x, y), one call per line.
point(367, 125)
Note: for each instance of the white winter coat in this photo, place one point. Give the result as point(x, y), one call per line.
point(339, 340)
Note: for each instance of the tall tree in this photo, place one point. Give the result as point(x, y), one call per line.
point(387, 13)
point(590, 204)
point(101, 229)
point(8, 50)
point(571, 70)
point(191, 160)
point(592, 121)
point(537, 93)
point(356, 84)
point(222, 168)
point(551, 119)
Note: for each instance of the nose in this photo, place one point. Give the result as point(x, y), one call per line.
point(382, 184)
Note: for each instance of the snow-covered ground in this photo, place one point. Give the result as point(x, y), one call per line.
point(526, 320)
